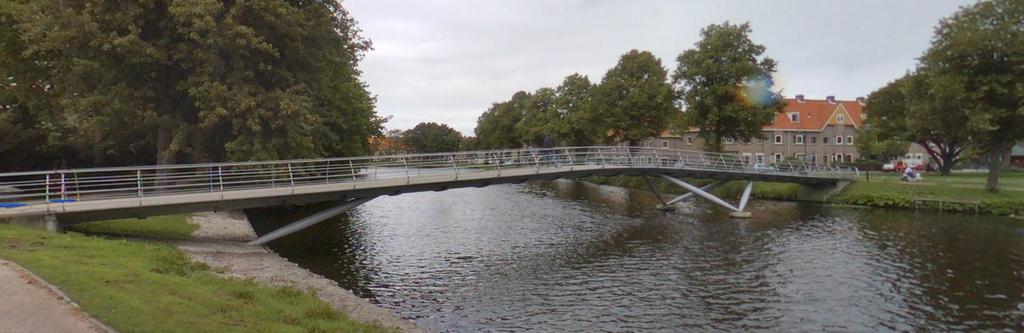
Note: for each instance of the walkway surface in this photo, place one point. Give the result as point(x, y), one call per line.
point(28, 304)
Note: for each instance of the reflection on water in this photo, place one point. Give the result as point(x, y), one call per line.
point(570, 256)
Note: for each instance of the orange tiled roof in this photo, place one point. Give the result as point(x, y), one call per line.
point(814, 115)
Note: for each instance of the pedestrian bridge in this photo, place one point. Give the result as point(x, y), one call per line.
point(66, 197)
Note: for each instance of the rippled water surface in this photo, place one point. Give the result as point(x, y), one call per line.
point(570, 256)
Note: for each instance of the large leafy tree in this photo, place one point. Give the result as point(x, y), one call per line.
point(30, 130)
point(575, 123)
point(432, 138)
point(496, 128)
point(538, 118)
point(634, 99)
point(980, 50)
point(924, 109)
point(199, 80)
point(725, 84)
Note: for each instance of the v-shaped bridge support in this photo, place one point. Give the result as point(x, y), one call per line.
point(704, 192)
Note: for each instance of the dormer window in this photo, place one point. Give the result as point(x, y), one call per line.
point(794, 117)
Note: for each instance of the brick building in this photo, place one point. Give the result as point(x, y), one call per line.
point(817, 131)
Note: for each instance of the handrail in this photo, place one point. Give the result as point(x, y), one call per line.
point(90, 184)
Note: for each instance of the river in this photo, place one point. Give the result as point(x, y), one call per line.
point(571, 256)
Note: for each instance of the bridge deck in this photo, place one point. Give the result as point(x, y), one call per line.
point(160, 193)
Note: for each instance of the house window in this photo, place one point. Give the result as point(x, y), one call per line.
point(794, 117)
point(778, 139)
point(728, 141)
point(760, 141)
point(840, 119)
point(838, 158)
point(849, 158)
point(814, 158)
point(814, 139)
point(689, 140)
point(839, 140)
point(759, 157)
point(799, 139)
point(664, 143)
point(824, 140)
point(849, 140)
point(778, 157)
point(746, 158)
point(802, 157)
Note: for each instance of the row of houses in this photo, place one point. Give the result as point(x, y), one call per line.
point(818, 131)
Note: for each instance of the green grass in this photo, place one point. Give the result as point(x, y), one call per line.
point(957, 189)
point(170, 226)
point(140, 287)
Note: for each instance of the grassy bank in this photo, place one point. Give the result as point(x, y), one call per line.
point(170, 226)
point(958, 192)
point(140, 287)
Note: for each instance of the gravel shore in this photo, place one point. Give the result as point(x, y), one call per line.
point(219, 247)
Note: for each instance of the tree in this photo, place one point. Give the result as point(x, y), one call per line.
point(538, 118)
point(203, 80)
point(875, 149)
point(30, 125)
point(634, 99)
point(981, 49)
point(432, 138)
point(495, 128)
point(575, 123)
point(725, 84)
point(922, 109)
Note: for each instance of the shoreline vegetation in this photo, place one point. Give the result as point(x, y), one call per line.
point(959, 192)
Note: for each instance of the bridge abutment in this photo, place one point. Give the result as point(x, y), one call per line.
point(47, 222)
point(820, 193)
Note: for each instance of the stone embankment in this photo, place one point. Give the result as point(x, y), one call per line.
point(217, 244)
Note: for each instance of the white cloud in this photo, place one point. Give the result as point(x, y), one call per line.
point(447, 61)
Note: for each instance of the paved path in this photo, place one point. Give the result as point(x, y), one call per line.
point(28, 304)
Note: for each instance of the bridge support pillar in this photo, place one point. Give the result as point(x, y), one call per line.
point(702, 192)
point(309, 221)
point(47, 222)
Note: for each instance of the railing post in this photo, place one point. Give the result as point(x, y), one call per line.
point(273, 175)
point(78, 190)
point(63, 187)
point(138, 182)
point(352, 168)
point(47, 195)
point(327, 176)
point(408, 179)
point(454, 166)
point(497, 160)
point(291, 176)
point(536, 160)
point(220, 178)
point(572, 160)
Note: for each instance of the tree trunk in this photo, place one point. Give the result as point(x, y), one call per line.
point(947, 164)
point(995, 164)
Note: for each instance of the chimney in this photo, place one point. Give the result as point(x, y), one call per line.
point(863, 101)
point(831, 99)
point(800, 98)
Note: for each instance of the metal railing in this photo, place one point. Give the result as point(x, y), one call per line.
point(80, 185)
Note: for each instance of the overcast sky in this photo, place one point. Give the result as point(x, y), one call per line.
point(447, 61)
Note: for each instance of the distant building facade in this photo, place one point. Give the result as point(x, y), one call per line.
point(818, 132)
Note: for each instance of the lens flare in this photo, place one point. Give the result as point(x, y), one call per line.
point(757, 91)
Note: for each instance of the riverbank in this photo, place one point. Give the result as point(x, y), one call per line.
point(213, 286)
point(959, 192)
